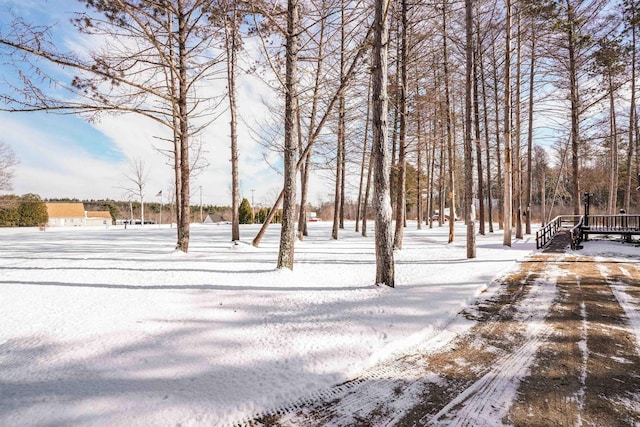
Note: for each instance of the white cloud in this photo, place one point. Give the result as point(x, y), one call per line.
point(53, 168)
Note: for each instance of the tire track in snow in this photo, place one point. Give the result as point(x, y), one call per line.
point(629, 303)
point(489, 398)
point(358, 398)
point(513, 358)
point(585, 374)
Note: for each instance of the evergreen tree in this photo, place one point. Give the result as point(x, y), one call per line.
point(245, 212)
point(112, 207)
point(9, 216)
point(32, 211)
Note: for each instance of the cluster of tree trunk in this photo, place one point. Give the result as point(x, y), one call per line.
point(506, 125)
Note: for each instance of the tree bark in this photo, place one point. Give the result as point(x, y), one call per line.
point(183, 117)
point(575, 107)
point(613, 167)
point(517, 163)
point(530, 127)
point(382, 199)
point(420, 185)
point(306, 166)
point(499, 159)
point(367, 192)
point(401, 191)
point(478, 137)
point(316, 132)
point(449, 120)
point(507, 202)
point(360, 207)
point(231, 34)
point(468, 140)
point(485, 117)
point(632, 109)
point(287, 234)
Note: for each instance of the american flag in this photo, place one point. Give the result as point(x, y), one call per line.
point(159, 193)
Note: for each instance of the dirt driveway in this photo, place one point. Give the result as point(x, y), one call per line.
point(557, 345)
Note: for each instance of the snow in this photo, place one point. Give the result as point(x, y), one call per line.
point(629, 304)
point(490, 398)
point(113, 327)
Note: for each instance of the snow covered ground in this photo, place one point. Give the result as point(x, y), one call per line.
point(112, 327)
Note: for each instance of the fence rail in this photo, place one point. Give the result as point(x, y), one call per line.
point(614, 224)
point(561, 222)
point(575, 234)
point(579, 227)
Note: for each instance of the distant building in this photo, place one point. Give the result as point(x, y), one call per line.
point(214, 219)
point(74, 215)
point(98, 218)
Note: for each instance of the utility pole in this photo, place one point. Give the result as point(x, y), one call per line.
point(253, 210)
point(201, 219)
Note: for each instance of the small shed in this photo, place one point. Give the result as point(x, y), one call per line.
point(98, 218)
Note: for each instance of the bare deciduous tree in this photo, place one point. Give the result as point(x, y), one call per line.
point(468, 140)
point(382, 197)
point(508, 165)
point(137, 177)
point(288, 232)
point(149, 58)
point(8, 161)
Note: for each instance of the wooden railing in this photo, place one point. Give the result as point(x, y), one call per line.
point(580, 227)
point(614, 224)
point(546, 233)
point(575, 234)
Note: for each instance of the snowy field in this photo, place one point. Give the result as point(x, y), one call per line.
point(112, 327)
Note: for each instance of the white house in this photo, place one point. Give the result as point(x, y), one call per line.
point(74, 215)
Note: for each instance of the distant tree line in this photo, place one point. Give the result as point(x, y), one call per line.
point(28, 210)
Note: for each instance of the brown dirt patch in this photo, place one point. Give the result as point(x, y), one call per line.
point(580, 366)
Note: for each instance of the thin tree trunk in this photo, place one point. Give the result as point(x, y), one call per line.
point(476, 114)
point(343, 165)
point(499, 160)
point(575, 106)
point(360, 208)
point(305, 168)
point(337, 200)
point(485, 116)
point(517, 164)
point(401, 191)
point(442, 186)
point(432, 168)
point(613, 186)
point(382, 198)
point(419, 189)
point(468, 140)
point(507, 202)
point(287, 234)
point(367, 193)
point(306, 152)
point(543, 196)
point(632, 113)
point(301, 228)
point(185, 211)
point(338, 212)
point(530, 127)
point(176, 137)
point(231, 35)
point(450, 149)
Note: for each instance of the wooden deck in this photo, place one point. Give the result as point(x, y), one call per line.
point(578, 229)
point(623, 225)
